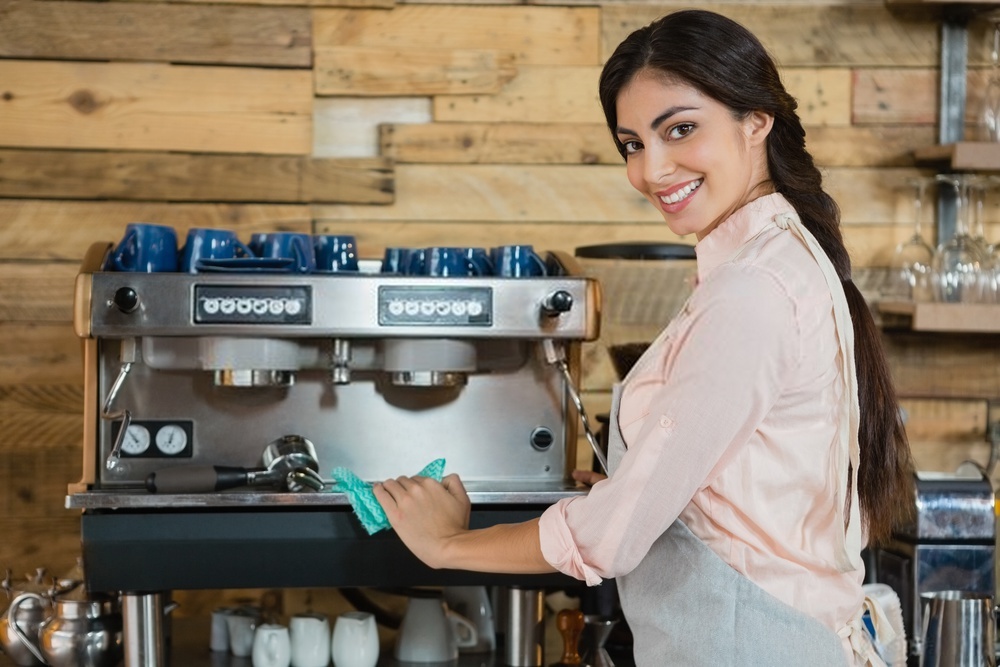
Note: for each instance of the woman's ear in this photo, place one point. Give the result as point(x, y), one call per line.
point(757, 126)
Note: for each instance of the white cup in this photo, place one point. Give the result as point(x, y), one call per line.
point(271, 646)
point(241, 626)
point(218, 640)
point(431, 632)
point(310, 640)
point(473, 602)
point(355, 640)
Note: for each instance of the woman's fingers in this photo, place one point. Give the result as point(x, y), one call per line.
point(588, 477)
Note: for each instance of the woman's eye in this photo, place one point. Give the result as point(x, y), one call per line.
point(681, 131)
point(631, 147)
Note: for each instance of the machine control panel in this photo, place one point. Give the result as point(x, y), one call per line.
point(437, 306)
point(156, 438)
point(252, 304)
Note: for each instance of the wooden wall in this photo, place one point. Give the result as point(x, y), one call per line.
point(417, 123)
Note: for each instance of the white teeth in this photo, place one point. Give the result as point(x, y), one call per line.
point(683, 193)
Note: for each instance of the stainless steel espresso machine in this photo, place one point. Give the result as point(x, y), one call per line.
point(202, 378)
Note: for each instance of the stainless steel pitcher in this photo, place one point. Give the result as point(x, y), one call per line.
point(959, 629)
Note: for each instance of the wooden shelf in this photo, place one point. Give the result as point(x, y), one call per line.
point(937, 3)
point(962, 155)
point(941, 317)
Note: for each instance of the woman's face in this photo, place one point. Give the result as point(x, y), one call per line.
point(688, 155)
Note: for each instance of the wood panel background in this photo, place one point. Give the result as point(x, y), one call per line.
point(417, 123)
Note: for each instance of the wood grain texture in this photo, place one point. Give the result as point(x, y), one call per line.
point(161, 32)
point(535, 35)
point(897, 96)
point(387, 72)
point(382, 4)
point(958, 366)
point(63, 230)
point(33, 542)
point(180, 177)
point(807, 34)
point(37, 291)
point(151, 106)
point(591, 143)
point(40, 354)
point(543, 94)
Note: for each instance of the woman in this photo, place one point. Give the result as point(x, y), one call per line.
point(758, 445)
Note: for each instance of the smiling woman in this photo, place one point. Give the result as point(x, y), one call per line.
point(755, 447)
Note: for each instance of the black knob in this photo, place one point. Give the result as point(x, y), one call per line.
point(558, 302)
point(126, 299)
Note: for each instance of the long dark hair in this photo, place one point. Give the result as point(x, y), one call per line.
point(725, 61)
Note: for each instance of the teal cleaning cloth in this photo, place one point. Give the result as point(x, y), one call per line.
point(359, 494)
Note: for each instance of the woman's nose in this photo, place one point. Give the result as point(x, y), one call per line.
point(659, 166)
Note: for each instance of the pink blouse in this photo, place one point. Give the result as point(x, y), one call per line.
point(731, 421)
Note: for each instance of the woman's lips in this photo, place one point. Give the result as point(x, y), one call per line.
point(676, 198)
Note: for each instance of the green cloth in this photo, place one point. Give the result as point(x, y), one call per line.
point(359, 494)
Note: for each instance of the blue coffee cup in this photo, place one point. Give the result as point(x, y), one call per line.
point(205, 244)
point(395, 260)
point(480, 257)
point(336, 252)
point(145, 248)
point(415, 262)
point(296, 246)
point(449, 262)
point(517, 261)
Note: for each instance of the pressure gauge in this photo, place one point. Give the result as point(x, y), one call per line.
point(136, 439)
point(171, 439)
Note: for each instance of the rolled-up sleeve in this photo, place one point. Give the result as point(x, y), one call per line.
point(711, 384)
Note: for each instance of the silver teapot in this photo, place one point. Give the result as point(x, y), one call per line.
point(20, 623)
point(62, 627)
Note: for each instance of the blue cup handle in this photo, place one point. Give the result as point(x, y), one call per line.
point(301, 258)
point(243, 250)
point(476, 266)
point(119, 256)
point(541, 264)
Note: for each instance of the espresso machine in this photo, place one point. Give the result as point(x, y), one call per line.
point(948, 544)
point(246, 389)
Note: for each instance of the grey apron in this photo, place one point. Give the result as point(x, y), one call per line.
point(688, 607)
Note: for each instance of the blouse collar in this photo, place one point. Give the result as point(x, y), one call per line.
point(724, 241)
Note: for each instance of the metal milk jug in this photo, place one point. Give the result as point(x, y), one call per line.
point(82, 632)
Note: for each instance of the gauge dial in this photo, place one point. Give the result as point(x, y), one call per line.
point(171, 439)
point(136, 439)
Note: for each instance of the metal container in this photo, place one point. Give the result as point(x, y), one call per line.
point(959, 630)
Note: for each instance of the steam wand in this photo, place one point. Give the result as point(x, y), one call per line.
point(128, 358)
point(556, 356)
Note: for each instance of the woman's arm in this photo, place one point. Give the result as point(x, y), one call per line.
point(432, 519)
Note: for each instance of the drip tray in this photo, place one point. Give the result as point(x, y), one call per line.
point(486, 492)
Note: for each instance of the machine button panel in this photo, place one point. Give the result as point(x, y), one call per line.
point(152, 439)
point(252, 304)
point(435, 306)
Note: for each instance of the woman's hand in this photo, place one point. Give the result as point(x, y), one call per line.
point(588, 477)
point(425, 513)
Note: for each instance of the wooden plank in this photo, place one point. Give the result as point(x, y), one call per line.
point(36, 291)
point(43, 399)
point(385, 72)
point(42, 354)
point(578, 194)
point(897, 96)
point(37, 430)
point(155, 32)
point(809, 35)
point(63, 230)
point(569, 95)
point(359, 4)
point(962, 155)
point(153, 106)
point(499, 143)
point(535, 35)
point(947, 317)
point(348, 126)
point(181, 177)
point(33, 542)
point(591, 143)
point(958, 366)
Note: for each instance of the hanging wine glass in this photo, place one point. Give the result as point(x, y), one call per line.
point(913, 258)
point(991, 97)
point(957, 264)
